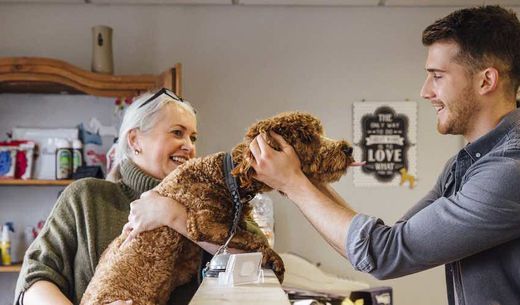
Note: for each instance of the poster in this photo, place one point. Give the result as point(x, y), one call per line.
point(385, 137)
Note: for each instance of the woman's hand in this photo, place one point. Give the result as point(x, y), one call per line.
point(152, 211)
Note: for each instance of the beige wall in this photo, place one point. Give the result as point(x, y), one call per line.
point(245, 63)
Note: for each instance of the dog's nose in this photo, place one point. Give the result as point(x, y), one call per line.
point(347, 150)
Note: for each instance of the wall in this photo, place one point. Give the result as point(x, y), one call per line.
point(245, 63)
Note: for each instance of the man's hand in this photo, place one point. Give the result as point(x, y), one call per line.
point(278, 169)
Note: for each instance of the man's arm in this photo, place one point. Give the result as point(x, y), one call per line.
point(325, 212)
point(323, 207)
point(482, 215)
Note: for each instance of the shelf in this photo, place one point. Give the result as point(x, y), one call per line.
point(13, 268)
point(46, 75)
point(35, 182)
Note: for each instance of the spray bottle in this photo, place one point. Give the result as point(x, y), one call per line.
point(5, 245)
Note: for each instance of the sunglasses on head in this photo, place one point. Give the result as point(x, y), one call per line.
point(162, 91)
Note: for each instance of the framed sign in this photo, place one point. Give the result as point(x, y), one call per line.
point(385, 137)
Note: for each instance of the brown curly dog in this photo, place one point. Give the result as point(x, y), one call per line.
point(155, 262)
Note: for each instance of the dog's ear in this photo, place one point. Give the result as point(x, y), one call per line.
point(243, 169)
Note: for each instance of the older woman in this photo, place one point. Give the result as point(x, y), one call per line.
point(158, 133)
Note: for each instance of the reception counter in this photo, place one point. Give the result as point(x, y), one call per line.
point(268, 292)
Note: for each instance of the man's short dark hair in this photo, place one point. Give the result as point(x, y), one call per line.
point(486, 35)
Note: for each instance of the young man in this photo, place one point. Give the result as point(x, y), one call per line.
point(470, 220)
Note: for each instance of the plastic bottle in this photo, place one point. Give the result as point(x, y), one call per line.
point(17, 250)
point(5, 245)
point(77, 154)
point(263, 215)
point(63, 159)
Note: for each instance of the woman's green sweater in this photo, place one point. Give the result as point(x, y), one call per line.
point(88, 215)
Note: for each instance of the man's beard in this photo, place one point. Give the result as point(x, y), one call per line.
point(460, 112)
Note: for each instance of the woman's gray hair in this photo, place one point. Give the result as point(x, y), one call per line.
point(143, 118)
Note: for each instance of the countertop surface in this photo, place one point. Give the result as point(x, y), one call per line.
point(267, 292)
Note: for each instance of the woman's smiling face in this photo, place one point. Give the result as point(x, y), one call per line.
point(169, 143)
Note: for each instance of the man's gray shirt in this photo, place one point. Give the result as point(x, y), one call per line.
point(470, 221)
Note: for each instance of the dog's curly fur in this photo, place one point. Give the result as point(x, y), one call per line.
point(157, 261)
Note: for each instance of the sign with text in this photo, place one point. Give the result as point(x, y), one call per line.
point(385, 138)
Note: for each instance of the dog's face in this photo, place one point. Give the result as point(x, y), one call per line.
point(322, 159)
point(332, 160)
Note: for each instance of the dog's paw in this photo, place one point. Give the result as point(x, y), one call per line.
point(273, 261)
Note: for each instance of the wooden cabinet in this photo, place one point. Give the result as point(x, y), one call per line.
point(50, 76)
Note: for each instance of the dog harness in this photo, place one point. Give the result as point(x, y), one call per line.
point(219, 261)
point(232, 185)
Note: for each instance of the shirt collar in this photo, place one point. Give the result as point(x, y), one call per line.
point(485, 144)
point(136, 179)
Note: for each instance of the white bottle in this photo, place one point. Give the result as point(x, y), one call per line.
point(63, 159)
point(263, 215)
point(77, 154)
point(102, 57)
point(45, 163)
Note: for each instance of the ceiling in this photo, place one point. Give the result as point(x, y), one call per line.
point(368, 3)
